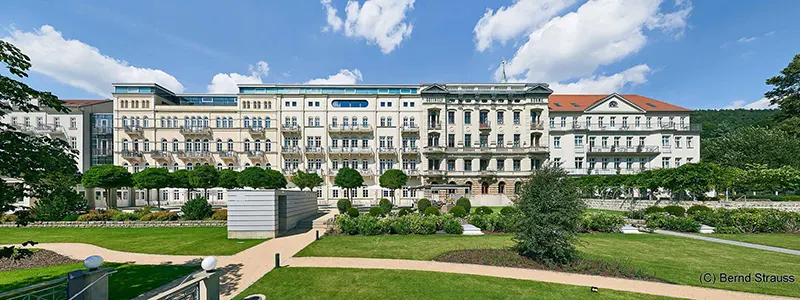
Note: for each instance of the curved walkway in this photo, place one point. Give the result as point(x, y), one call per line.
point(619, 284)
point(729, 242)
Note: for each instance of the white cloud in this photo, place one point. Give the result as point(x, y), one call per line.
point(378, 21)
point(746, 39)
point(226, 83)
point(77, 64)
point(762, 103)
point(571, 47)
point(771, 33)
point(510, 22)
point(344, 76)
point(604, 84)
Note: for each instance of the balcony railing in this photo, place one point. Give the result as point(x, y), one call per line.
point(537, 125)
point(626, 127)
point(315, 150)
point(409, 150)
point(132, 129)
point(409, 128)
point(433, 149)
point(290, 150)
point(195, 130)
point(434, 172)
point(131, 154)
point(256, 130)
point(365, 172)
point(411, 172)
point(227, 155)
point(485, 125)
point(255, 154)
point(194, 154)
point(350, 150)
point(163, 155)
point(290, 128)
point(289, 172)
point(434, 125)
point(386, 150)
point(625, 149)
point(349, 128)
point(315, 171)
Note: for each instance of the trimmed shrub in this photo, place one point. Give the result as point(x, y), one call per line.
point(376, 211)
point(352, 212)
point(70, 218)
point(603, 222)
point(697, 208)
point(484, 210)
point(791, 198)
point(671, 222)
point(160, 216)
point(220, 215)
point(124, 217)
point(458, 211)
point(403, 211)
point(480, 220)
point(431, 211)
point(675, 210)
point(386, 205)
point(464, 202)
point(401, 225)
point(196, 209)
point(343, 205)
point(750, 220)
point(653, 209)
point(98, 215)
point(509, 210)
point(11, 218)
point(423, 204)
point(423, 224)
point(452, 226)
point(346, 224)
point(384, 225)
point(635, 214)
point(368, 225)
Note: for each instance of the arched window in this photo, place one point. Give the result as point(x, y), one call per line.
point(135, 145)
point(310, 122)
point(188, 146)
point(163, 122)
point(364, 122)
point(186, 122)
point(230, 145)
point(124, 145)
point(267, 123)
point(613, 104)
point(246, 145)
point(205, 145)
point(484, 188)
point(126, 166)
point(354, 122)
point(219, 122)
point(517, 187)
point(219, 167)
point(411, 123)
point(230, 166)
point(230, 122)
point(257, 145)
point(136, 168)
point(268, 166)
point(164, 145)
point(287, 121)
point(124, 121)
point(247, 165)
point(344, 121)
point(268, 145)
point(189, 166)
point(146, 145)
point(144, 122)
point(175, 145)
point(389, 121)
point(219, 145)
point(316, 121)
point(258, 165)
point(246, 122)
point(164, 166)
point(205, 122)
point(294, 121)
point(405, 121)
point(196, 144)
point(146, 165)
point(501, 188)
point(383, 121)
point(334, 122)
point(175, 167)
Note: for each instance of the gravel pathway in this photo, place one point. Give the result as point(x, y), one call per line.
point(729, 242)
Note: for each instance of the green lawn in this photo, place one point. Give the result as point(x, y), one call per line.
point(672, 259)
point(129, 281)
point(615, 212)
point(151, 240)
point(782, 240)
point(348, 284)
point(418, 247)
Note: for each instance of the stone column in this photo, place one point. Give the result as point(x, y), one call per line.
point(209, 287)
point(80, 279)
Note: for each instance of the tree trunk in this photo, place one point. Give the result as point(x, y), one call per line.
point(147, 197)
point(158, 197)
point(107, 198)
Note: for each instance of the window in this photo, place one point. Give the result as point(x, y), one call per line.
point(665, 162)
point(500, 140)
point(665, 140)
point(677, 145)
point(451, 164)
point(516, 118)
point(500, 117)
point(557, 161)
point(579, 163)
point(616, 142)
point(175, 145)
point(613, 104)
point(349, 103)
point(467, 117)
point(73, 123)
point(451, 117)
point(629, 142)
point(451, 140)
point(557, 142)
point(552, 122)
point(578, 141)
point(163, 144)
point(516, 140)
point(689, 144)
point(517, 165)
point(501, 164)
point(604, 142)
point(613, 122)
point(468, 140)
point(73, 142)
point(467, 165)
point(677, 162)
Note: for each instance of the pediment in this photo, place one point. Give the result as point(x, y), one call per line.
point(614, 103)
point(435, 88)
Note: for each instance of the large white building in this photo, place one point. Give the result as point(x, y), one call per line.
point(486, 136)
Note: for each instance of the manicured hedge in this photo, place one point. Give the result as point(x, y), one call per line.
point(675, 210)
point(602, 222)
point(414, 223)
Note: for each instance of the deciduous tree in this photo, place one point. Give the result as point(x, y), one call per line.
point(306, 180)
point(227, 179)
point(204, 177)
point(253, 177)
point(786, 94)
point(275, 180)
point(107, 177)
point(349, 179)
point(153, 178)
point(393, 179)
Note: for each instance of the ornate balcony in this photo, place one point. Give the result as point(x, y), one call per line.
point(290, 128)
point(161, 155)
point(409, 150)
point(433, 150)
point(227, 155)
point(132, 130)
point(315, 151)
point(485, 125)
point(537, 125)
point(364, 172)
point(195, 131)
point(319, 172)
point(350, 128)
point(131, 155)
point(50, 130)
point(194, 155)
point(289, 172)
point(434, 173)
point(487, 173)
point(411, 172)
point(387, 151)
point(642, 150)
point(434, 125)
point(255, 155)
point(291, 150)
point(349, 150)
point(257, 131)
point(409, 128)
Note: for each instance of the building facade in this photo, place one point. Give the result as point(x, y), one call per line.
point(486, 136)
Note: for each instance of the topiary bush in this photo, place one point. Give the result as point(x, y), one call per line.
point(400, 225)
point(458, 211)
point(749, 220)
point(343, 205)
point(376, 211)
point(452, 226)
point(603, 222)
point(509, 210)
point(675, 210)
point(403, 211)
point(695, 209)
point(484, 210)
point(464, 202)
point(479, 220)
point(368, 225)
point(431, 211)
point(352, 212)
point(653, 209)
point(196, 209)
point(386, 205)
point(220, 215)
point(423, 204)
point(345, 224)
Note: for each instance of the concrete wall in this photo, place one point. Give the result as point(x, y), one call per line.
point(254, 213)
point(618, 204)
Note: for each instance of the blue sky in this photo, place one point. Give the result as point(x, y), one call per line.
point(701, 54)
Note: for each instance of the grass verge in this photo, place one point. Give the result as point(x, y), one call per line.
point(781, 240)
point(150, 240)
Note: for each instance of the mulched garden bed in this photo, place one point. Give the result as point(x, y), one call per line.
point(39, 258)
point(509, 258)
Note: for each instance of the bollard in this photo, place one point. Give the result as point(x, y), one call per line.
point(318, 235)
point(277, 260)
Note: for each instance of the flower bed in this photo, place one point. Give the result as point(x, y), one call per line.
point(38, 258)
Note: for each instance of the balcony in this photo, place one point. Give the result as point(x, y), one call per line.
point(132, 130)
point(349, 150)
point(485, 125)
point(434, 173)
point(289, 172)
point(161, 155)
point(365, 172)
point(519, 149)
point(194, 155)
point(350, 128)
point(387, 151)
point(409, 128)
point(315, 151)
point(409, 150)
point(257, 131)
point(131, 155)
point(319, 172)
point(290, 128)
point(487, 173)
point(645, 150)
point(195, 131)
point(411, 172)
point(433, 150)
point(102, 152)
point(537, 125)
point(50, 130)
point(289, 150)
point(227, 155)
point(255, 155)
point(435, 126)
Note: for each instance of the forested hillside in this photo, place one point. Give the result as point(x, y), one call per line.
point(717, 123)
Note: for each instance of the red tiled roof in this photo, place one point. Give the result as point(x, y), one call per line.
point(82, 103)
point(575, 103)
